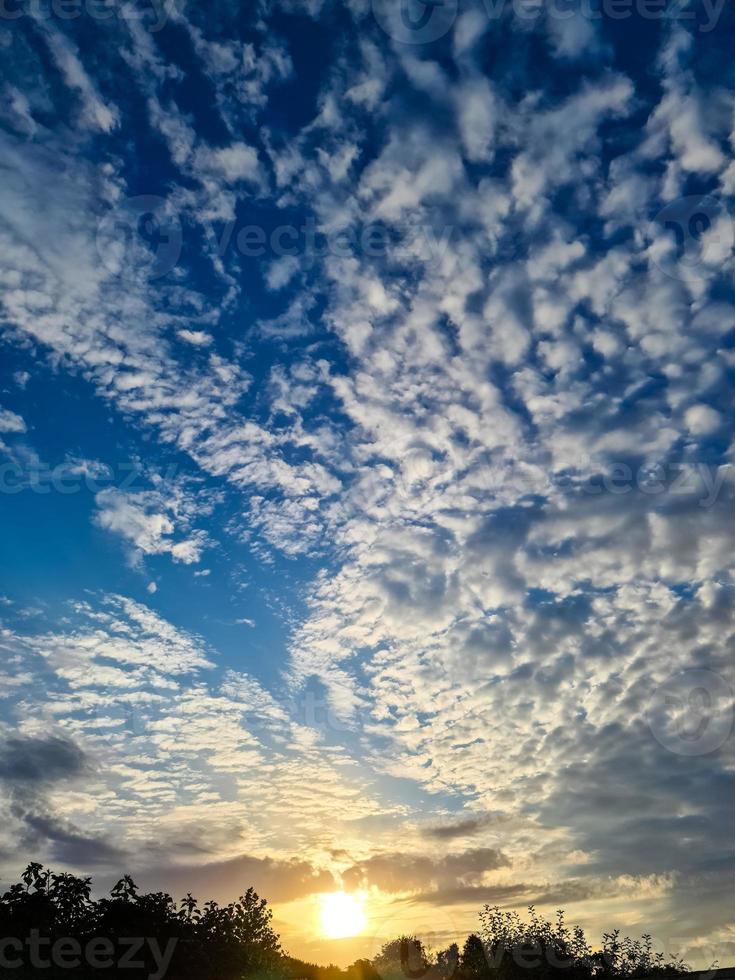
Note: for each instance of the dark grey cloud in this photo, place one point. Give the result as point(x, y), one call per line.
point(638, 809)
point(66, 844)
point(475, 895)
point(28, 766)
point(461, 828)
point(273, 879)
point(409, 872)
point(631, 828)
point(525, 893)
point(38, 760)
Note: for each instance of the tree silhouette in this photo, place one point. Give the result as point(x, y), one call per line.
point(402, 957)
point(49, 911)
point(538, 949)
point(55, 913)
point(473, 962)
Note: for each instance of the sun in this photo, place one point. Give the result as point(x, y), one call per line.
point(341, 915)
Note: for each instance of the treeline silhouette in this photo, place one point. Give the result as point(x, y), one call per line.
point(51, 927)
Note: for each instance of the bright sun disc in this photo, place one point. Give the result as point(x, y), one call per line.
point(341, 915)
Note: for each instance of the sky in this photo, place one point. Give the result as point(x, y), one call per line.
point(366, 489)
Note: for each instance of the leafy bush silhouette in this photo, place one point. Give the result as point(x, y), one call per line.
point(405, 956)
point(217, 942)
point(362, 969)
point(509, 948)
point(538, 949)
point(236, 941)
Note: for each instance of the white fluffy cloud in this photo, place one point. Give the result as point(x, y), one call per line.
point(151, 522)
point(11, 422)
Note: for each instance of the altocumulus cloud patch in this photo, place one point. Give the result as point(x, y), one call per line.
point(403, 335)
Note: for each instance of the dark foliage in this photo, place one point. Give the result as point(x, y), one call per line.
point(405, 956)
point(294, 969)
point(148, 935)
point(49, 911)
point(509, 948)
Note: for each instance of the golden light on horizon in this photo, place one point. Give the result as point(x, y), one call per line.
point(341, 915)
